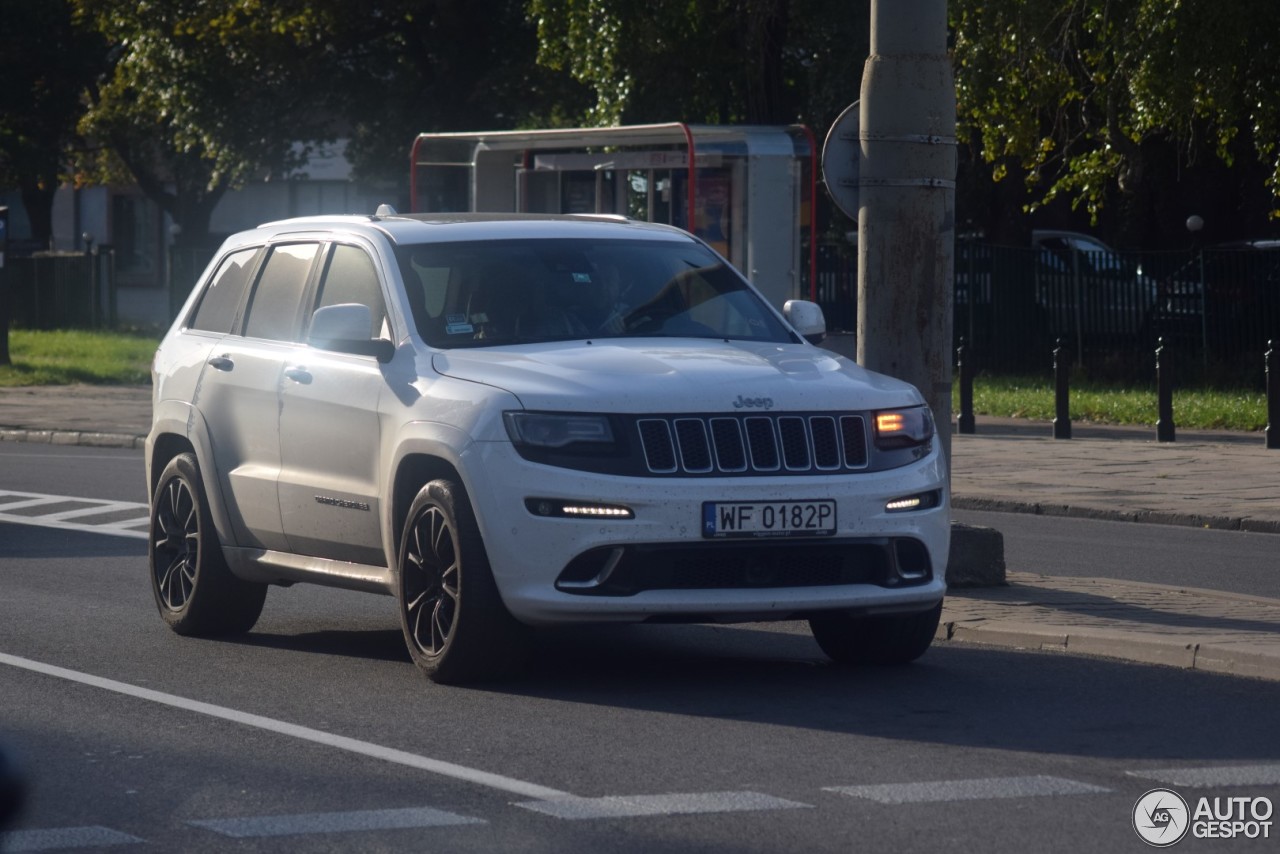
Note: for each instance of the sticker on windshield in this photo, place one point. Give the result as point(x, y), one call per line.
point(582, 278)
point(456, 324)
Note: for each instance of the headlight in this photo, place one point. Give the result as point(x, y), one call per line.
point(903, 428)
point(557, 430)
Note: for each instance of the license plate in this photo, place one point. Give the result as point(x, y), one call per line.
point(768, 519)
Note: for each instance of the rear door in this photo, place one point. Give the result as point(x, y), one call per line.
point(239, 397)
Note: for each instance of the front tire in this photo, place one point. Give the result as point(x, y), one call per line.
point(454, 621)
point(888, 639)
point(194, 589)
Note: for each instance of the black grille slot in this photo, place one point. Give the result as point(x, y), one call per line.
point(659, 453)
point(826, 442)
point(795, 443)
point(695, 453)
point(726, 436)
point(853, 434)
point(752, 444)
point(763, 444)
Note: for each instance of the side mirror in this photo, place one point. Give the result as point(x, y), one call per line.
point(344, 328)
point(806, 318)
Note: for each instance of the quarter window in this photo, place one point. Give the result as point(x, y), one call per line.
point(217, 309)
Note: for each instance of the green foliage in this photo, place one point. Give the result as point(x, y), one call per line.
point(1194, 408)
point(201, 95)
point(63, 357)
point(714, 61)
point(1069, 91)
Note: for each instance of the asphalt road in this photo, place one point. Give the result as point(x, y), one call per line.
point(1234, 561)
point(315, 733)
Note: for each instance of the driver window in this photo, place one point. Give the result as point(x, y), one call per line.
point(351, 277)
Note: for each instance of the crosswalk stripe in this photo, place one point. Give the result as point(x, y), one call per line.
point(78, 517)
point(63, 838)
point(333, 822)
point(968, 790)
point(1226, 775)
point(95, 510)
point(575, 809)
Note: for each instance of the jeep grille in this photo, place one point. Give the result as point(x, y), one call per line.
point(758, 444)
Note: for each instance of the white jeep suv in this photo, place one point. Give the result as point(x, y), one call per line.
point(508, 420)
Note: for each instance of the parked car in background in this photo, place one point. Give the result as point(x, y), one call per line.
point(1241, 282)
point(1089, 290)
point(505, 421)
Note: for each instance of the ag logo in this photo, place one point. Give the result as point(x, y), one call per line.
point(1161, 817)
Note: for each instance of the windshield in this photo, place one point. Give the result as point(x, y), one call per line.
point(494, 292)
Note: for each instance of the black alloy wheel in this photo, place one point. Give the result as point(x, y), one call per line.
point(195, 591)
point(454, 621)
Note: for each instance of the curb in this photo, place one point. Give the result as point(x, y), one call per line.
point(1222, 657)
point(1155, 517)
point(73, 437)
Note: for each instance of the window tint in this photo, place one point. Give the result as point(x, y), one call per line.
point(273, 312)
point(217, 309)
point(352, 277)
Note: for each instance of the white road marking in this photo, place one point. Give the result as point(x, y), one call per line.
point(103, 508)
point(364, 748)
point(62, 838)
point(1227, 775)
point(333, 822)
point(62, 519)
point(575, 809)
point(968, 790)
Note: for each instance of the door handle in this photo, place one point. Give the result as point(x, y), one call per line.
point(221, 363)
point(298, 375)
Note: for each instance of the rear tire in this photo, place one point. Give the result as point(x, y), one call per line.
point(194, 589)
point(454, 621)
point(889, 639)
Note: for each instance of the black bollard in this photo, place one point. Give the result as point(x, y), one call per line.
point(964, 422)
point(1061, 394)
point(1164, 396)
point(1273, 396)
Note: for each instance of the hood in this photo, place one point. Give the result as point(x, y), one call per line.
point(676, 375)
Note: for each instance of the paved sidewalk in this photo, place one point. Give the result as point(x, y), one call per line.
point(1211, 479)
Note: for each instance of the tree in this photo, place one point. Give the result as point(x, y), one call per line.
point(45, 63)
point(717, 61)
point(202, 95)
point(1084, 97)
point(398, 68)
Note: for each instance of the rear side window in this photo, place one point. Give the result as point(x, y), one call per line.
point(352, 277)
point(217, 309)
point(273, 313)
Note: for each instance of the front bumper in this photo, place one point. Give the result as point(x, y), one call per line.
point(547, 569)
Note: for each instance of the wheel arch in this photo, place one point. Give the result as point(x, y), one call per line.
point(165, 447)
point(167, 444)
point(413, 472)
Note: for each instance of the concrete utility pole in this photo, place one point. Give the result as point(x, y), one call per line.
point(906, 222)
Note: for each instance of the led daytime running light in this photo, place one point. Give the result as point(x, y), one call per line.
point(558, 508)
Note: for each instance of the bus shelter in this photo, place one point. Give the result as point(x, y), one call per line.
point(748, 191)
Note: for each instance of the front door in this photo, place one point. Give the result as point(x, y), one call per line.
point(329, 483)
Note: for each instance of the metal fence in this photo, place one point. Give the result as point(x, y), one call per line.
point(1215, 308)
point(62, 290)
